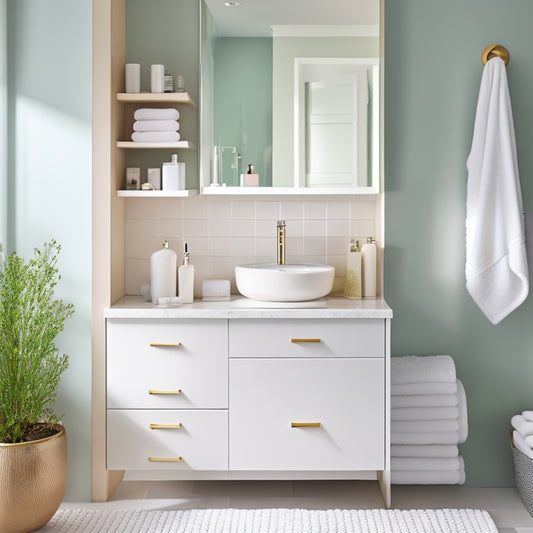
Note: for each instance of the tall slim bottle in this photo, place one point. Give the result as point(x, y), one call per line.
point(186, 279)
point(369, 253)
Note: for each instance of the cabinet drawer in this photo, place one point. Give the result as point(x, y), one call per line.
point(167, 364)
point(307, 338)
point(345, 397)
point(141, 440)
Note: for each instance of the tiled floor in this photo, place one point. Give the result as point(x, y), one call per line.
point(503, 504)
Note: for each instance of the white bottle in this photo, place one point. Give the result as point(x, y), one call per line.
point(173, 175)
point(186, 279)
point(352, 288)
point(369, 268)
point(163, 273)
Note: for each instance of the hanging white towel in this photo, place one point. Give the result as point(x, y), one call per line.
point(496, 262)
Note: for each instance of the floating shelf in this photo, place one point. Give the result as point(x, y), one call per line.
point(157, 194)
point(286, 191)
point(156, 98)
point(183, 145)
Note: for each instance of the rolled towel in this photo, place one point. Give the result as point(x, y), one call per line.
point(528, 415)
point(424, 413)
point(428, 437)
point(424, 450)
point(156, 114)
point(425, 463)
point(155, 136)
point(422, 369)
point(463, 412)
point(430, 477)
point(521, 425)
point(520, 443)
point(156, 125)
point(430, 387)
point(424, 426)
point(424, 400)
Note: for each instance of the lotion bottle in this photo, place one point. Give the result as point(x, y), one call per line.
point(173, 175)
point(352, 288)
point(163, 273)
point(369, 252)
point(186, 279)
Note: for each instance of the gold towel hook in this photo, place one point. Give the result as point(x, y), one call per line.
point(495, 50)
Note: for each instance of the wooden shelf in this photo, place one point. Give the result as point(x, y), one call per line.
point(157, 194)
point(156, 98)
point(180, 145)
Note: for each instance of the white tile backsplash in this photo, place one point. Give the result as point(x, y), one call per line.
point(224, 232)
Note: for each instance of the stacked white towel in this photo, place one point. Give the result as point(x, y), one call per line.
point(156, 125)
point(428, 421)
point(523, 432)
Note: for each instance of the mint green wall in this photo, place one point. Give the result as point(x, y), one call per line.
point(432, 77)
point(285, 50)
point(166, 32)
point(243, 102)
point(49, 183)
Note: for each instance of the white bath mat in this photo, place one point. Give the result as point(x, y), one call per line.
point(272, 521)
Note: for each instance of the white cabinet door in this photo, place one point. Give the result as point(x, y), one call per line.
point(342, 400)
point(167, 440)
point(167, 364)
point(307, 338)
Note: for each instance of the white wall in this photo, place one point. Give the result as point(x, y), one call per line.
point(49, 102)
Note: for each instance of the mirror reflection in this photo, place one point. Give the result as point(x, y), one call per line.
point(289, 93)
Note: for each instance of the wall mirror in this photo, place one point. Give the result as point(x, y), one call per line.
point(289, 93)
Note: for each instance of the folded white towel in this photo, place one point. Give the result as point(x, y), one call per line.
point(425, 463)
point(155, 136)
point(429, 477)
point(414, 389)
point(519, 443)
point(463, 412)
point(424, 426)
point(424, 413)
point(424, 450)
point(528, 415)
point(496, 259)
point(156, 125)
point(156, 114)
point(424, 400)
point(428, 437)
point(523, 427)
point(421, 369)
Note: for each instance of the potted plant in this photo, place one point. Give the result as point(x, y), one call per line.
point(33, 445)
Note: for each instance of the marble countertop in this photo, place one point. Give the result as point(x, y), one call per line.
point(241, 307)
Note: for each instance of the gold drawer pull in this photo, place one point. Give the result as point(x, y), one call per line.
point(165, 344)
point(165, 426)
point(305, 424)
point(154, 391)
point(165, 459)
point(306, 340)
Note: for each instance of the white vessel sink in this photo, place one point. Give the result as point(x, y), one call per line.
point(284, 283)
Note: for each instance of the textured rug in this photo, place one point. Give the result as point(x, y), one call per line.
point(272, 521)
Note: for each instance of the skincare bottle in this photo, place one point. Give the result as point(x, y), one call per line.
point(163, 273)
point(186, 279)
point(174, 175)
point(250, 179)
point(352, 288)
point(369, 252)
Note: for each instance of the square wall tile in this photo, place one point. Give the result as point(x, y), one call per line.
point(243, 228)
point(219, 246)
point(364, 228)
point(195, 228)
point(195, 207)
point(314, 228)
point(338, 228)
point(242, 246)
point(315, 247)
point(363, 207)
point(219, 227)
point(219, 208)
point(267, 210)
point(338, 209)
point(315, 210)
point(291, 210)
point(242, 209)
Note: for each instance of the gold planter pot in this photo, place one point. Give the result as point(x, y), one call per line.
point(33, 480)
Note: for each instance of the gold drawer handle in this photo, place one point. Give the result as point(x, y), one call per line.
point(306, 340)
point(165, 459)
point(305, 424)
point(154, 391)
point(165, 344)
point(165, 426)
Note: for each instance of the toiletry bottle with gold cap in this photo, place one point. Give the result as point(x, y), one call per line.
point(369, 252)
point(352, 288)
point(163, 273)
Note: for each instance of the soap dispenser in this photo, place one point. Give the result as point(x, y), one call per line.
point(186, 279)
point(173, 175)
point(352, 288)
point(369, 252)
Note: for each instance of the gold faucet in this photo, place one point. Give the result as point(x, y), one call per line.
point(281, 242)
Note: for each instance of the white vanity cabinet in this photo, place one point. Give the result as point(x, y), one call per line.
point(214, 391)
